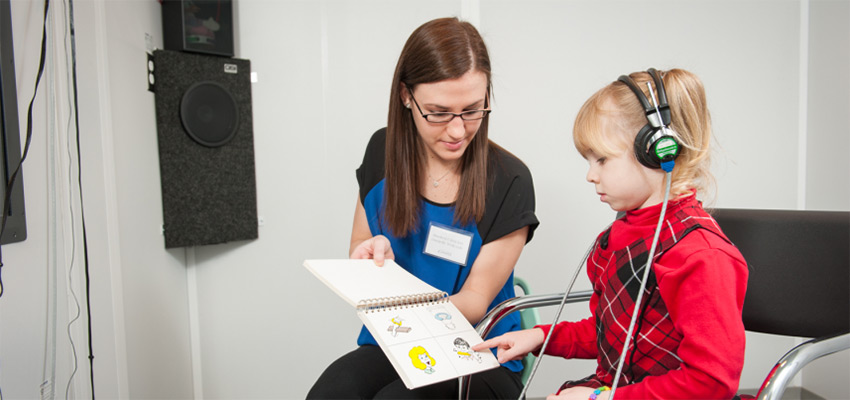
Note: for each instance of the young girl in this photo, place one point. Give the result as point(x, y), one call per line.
point(688, 337)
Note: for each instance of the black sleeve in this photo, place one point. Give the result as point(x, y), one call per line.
point(510, 199)
point(371, 170)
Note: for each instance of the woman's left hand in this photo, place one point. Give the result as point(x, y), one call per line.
point(377, 248)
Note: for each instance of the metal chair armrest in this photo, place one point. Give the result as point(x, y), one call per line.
point(797, 358)
point(523, 302)
point(516, 304)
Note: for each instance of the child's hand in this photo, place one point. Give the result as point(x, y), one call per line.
point(514, 345)
point(377, 248)
point(577, 393)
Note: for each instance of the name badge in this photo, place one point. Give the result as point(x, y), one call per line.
point(448, 243)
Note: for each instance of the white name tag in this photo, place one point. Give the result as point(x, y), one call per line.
point(448, 243)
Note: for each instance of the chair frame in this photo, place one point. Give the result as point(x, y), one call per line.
point(792, 362)
point(774, 384)
point(805, 224)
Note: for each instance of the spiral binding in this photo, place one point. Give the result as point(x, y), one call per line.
point(402, 302)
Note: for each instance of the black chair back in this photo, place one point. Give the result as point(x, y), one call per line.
point(799, 263)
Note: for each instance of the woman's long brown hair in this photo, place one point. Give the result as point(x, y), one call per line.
point(440, 49)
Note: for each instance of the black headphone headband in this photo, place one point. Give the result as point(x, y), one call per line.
point(658, 116)
point(649, 108)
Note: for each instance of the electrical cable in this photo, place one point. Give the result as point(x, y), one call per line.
point(80, 185)
point(11, 183)
point(555, 321)
point(17, 169)
point(667, 166)
point(73, 230)
point(76, 304)
point(572, 282)
point(646, 270)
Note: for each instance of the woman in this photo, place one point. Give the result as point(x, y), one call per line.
point(443, 201)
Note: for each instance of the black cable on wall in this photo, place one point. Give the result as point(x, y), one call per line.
point(80, 185)
point(17, 169)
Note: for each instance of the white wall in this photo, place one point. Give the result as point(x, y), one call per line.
point(138, 290)
point(828, 104)
point(827, 146)
point(263, 327)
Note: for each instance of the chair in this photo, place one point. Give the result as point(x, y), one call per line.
point(799, 284)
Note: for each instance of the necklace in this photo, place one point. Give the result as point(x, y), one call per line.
point(437, 181)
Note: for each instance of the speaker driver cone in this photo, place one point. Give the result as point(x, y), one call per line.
point(209, 114)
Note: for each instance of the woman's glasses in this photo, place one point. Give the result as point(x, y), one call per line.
point(446, 117)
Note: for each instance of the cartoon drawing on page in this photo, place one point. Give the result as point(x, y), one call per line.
point(464, 350)
point(440, 314)
point(395, 326)
point(422, 360)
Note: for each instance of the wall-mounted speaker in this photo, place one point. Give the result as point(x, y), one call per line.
point(206, 148)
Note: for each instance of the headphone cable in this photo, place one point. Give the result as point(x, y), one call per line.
point(555, 321)
point(646, 270)
point(667, 166)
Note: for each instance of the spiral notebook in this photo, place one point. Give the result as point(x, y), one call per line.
point(425, 337)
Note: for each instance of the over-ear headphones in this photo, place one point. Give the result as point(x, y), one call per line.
point(656, 142)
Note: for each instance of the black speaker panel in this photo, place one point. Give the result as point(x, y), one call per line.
point(11, 197)
point(206, 148)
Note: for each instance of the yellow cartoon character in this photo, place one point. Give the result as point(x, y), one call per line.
point(422, 360)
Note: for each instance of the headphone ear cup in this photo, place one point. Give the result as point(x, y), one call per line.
point(643, 151)
point(651, 146)
point(651, 153)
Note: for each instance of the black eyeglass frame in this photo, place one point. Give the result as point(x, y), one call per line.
point(485, 111)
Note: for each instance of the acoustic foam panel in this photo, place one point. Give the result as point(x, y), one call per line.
point(206, 148)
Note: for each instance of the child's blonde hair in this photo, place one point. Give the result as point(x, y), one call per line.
point(610, 119)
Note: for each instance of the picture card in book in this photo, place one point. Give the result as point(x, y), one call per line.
point(423, 334)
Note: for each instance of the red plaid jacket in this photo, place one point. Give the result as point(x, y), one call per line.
point(705, 279)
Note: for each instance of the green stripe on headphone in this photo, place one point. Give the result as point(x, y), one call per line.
point(666, 147)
